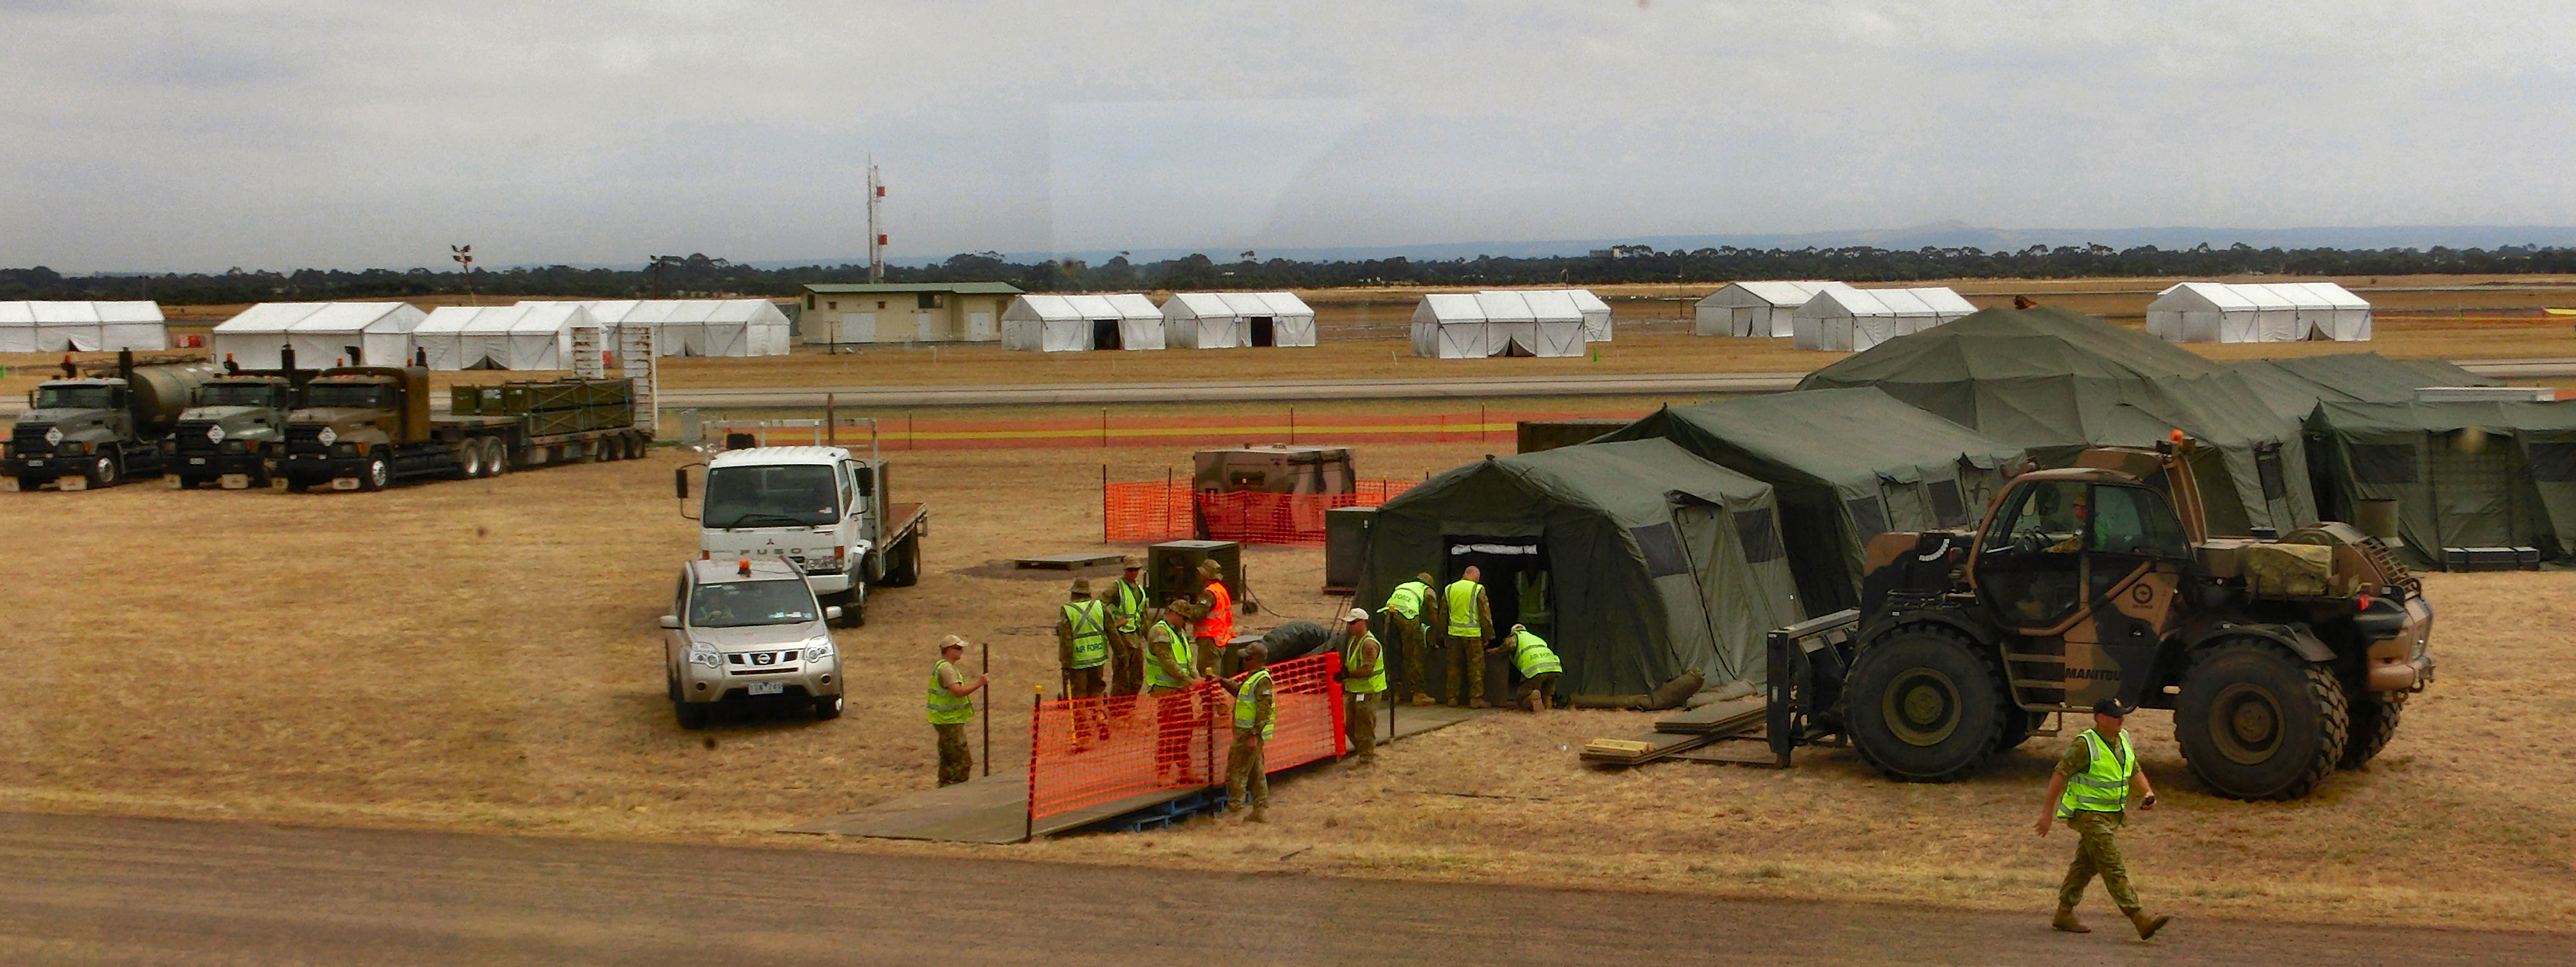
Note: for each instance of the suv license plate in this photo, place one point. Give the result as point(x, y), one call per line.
point(768, 688)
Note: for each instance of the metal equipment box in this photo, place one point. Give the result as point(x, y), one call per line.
point(1346, 534)
point(1171, 568)
point(2490, 559)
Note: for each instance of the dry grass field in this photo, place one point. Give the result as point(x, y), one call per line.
point(482, 656)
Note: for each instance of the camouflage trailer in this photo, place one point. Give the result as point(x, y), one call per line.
point(2282, 660)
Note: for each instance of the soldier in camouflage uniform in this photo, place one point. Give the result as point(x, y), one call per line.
point(2090, 790)
point(950, 711)
point(1256, 713)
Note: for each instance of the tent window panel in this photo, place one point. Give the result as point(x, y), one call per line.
point(1949, 506)
point(2267, 465)
point(1662, 548)
point(1869, 517)
point(2383, 463)
point(1759, 534)
point(2552, 462)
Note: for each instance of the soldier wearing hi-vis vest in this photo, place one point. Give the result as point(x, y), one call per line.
point(1127, 632)
point(1168, 674)
point(1363, 680)
point(1469, 623)
point(1410, 610)
point(1538, 668)
point(1082, 646)
point(2090, 791)
point(950, 711)
point(1256, 715)
point(1211, 613)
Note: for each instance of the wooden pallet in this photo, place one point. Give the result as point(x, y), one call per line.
point(1679, 734)
point(1717, 718)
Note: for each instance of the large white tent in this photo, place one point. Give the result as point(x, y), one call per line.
point(323, 334)
point(1850, 320)
point(529, 335)
point(1756, 308)
point(1504, 322)
point(1072, 323)
point(1555, 302)
point(2258, 312)
point(61, 327)
point(702, 327)
point(1226, 320)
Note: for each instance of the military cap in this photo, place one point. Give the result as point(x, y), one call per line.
point(951, 641)
point(2112, 708)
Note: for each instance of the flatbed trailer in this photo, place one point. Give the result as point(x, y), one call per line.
point(366, 428)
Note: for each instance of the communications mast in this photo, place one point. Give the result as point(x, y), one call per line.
point(876, 231)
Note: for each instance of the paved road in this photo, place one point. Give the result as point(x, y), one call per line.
point(117, 890)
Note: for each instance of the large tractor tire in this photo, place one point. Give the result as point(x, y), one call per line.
point(2256, 721)
point(2374, 722)
point(2019, 726)
point(1925, 704)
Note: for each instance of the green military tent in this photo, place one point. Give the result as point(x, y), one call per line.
point(2464, 474)
point(2295, 385)
point(1845, 465)
point(1657, 562)
point(2056, 381)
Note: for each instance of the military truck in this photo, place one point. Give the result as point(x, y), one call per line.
point(2282, 659)
point(235, 434)
point(826, 511)
point(102, 423)
point(368, 427)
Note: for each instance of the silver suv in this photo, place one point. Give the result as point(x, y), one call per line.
point(744, 631)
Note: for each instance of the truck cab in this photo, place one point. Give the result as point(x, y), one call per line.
point(75, 432)
point(821, 510)
point(352, 423)
point(235, 433)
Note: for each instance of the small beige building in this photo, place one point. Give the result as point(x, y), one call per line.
point(903, 312)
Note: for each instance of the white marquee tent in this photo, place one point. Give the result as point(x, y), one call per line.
point(702, 327)
point(529, 335)
point(2258, 312)
point(1072, 323)
point(323, 334)
point(1756, 308)
point(1594, 312)
point(1850, 320)
point(1504, 322)
point(58, 327)
point(1227, 320)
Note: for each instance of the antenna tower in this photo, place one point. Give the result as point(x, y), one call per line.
point(876, 229)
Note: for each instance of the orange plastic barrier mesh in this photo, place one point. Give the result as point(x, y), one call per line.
point(1096, 751)
point(1156, 510)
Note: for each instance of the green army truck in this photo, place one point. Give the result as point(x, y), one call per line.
point(368, 427)
point(235, 434)
point(101, 423)
point(2282, 660)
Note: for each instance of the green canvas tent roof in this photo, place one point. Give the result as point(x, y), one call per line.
point(1658, 562)
point(2294, 386)
point(1847, 464)
point(2512, 483)
point(2056, 381)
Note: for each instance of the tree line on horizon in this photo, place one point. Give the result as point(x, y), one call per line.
point(699, 276)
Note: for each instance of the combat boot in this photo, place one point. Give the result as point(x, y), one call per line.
point(1257, 817)
point(2147, 925)
point(2066, 920)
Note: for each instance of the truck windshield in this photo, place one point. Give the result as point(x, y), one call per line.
point(737, 604)
point(797, 495)
point(238, 394)
point(354, 396)
point(72, 398)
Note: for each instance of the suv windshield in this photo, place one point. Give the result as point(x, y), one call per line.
point(72, 398)
point(237, 394)
point(355, 396)
point(784, 496)
point(736, 604)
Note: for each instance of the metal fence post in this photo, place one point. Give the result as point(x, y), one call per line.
point(1036, 700)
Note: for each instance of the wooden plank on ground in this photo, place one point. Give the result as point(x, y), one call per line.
point(1738, 751)
point(1640, 749)
point(1716, 718)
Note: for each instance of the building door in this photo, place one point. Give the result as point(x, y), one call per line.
point(929, 325)
point(857, 327)
point(979, 326)
point(1264, 332)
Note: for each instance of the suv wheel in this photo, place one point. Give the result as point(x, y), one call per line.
point(2258, 722)
point(1925, 706)
point(692, 715)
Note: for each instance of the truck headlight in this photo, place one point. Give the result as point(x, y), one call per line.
point(74, 448)
point(817, 650)
point(705, 654)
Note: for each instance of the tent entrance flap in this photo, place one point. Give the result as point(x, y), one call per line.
point(1104, 334)
point(1265, 331)
point(1501, 563)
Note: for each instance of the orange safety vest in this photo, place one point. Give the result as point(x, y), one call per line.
point(1219, 623)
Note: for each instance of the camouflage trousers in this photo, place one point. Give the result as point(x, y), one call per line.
point(1126, 662)
point(1360, 723)
point(1089, 721)
point(1466, 670)
point(1246, 785)
point(956, 760)
point(1414, 675)
point(1536, 692)
point(2097, 852)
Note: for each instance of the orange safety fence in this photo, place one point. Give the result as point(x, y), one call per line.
point(1089, 752)
point(1109, 430)
point(1147, 511)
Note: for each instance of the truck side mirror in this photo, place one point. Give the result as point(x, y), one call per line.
point(680, 482)
point(671, 622)
point(831, 612)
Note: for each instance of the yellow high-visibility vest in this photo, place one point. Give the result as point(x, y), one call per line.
point(2103, 786)
point(947, 707)
point(1247, 711)
point(1376, 680)
point(1461, 598)
point(1090, 621)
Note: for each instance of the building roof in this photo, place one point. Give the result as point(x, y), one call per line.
point(959, 288)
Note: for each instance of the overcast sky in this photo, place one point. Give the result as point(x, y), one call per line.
point(217, 133)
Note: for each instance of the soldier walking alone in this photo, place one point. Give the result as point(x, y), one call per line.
point(2090, 790)
point(950, 711)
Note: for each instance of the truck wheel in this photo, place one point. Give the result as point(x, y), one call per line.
point(496, 457)
point(1925, 706)
point(634, 447)
point(31, 484)
point(692, 715)
point(827, 708)
point(905, 571)
point(469, 458)
point(854, 605)
point(2374, 722)
point(2019, 726)
point(2258, 722)
point(377, 473)
point(101, 472)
